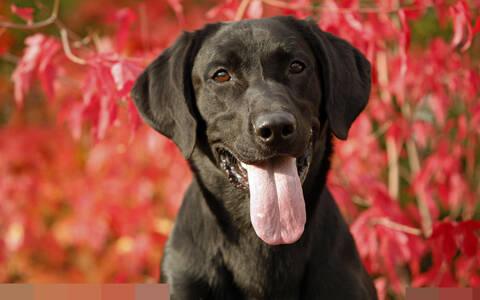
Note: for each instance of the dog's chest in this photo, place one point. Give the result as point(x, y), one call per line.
point(263, 272)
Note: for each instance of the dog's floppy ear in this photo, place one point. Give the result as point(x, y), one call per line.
point(164, 95)
point(345, 74)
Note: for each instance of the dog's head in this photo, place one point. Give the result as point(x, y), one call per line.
point(264, 90)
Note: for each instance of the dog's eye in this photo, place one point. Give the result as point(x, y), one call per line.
point(296, 67)
point(221, 76)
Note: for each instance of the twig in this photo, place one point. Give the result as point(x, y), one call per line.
point(396, 226)
point(393, 171)
point(285, 5)
point(392, 153)
point(414, 162)
point(360, 201)
point(83, 42)
point(382, 129)
point(10, 58)
point(382, 72)
point(57, 22)
point(281, 4)
point(412, 153)
point(48, 21)
point(142, 11)
point(67, 50)
point(241, 9)
point(424, 214)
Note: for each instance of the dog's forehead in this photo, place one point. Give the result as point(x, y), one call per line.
point(254, 37)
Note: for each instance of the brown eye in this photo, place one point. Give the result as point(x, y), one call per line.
point(296, 67)
point(221, 76)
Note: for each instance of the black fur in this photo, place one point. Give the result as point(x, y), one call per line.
point(213, 251)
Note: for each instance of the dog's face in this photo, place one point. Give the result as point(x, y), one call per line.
point(258, 90)
point(263, 91)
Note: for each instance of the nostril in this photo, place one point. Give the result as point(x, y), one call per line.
point(275, 128)
point(287, 130)
point(265, 133)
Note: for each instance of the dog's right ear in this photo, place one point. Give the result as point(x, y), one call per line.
point(164, 95)
point(344, 71)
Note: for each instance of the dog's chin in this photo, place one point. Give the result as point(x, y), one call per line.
point(237, 174)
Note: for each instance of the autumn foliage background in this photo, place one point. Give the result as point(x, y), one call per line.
point(88, 194)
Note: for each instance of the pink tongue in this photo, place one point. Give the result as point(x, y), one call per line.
point(277, 208)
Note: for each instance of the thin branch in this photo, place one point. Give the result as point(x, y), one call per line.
point(50, 20)
point(413, 158)
point(83, 42)
point(57, 21)
point(414, 162)
point(396, 226)
point(144, 28)
point(67, 50)
point(241, 10)
point(10, 58)
point(360, 201)
point(285, 5)
point(392, 153)
point(393, 170)
point(382, 129)
point(382, 73)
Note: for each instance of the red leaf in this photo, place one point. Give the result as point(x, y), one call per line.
point(123, 18)
point(23, 74)
point(404, 41)
point(476, 27)
point(100, 93)
point(381, 286)
point(447, 279)
point(469, 240)
point(422, 131)
point(36, 61)
point(227, 8)
point(470, 243)
point(135, 120)
point(124, 74)
point(107, 115)
point(178, 9)
point(445, 246)
point(255, 9)
point(343, 200)
point(47, 70)
point(25, 13)
point(442, 10)
point(303, 9)
point(72, 114)
point(461, 19)
point(399, 131)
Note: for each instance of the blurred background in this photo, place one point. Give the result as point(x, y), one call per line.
point(89, 194)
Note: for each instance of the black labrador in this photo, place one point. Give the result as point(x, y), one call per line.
point(252, 106)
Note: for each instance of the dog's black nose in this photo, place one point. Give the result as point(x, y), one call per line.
point(275, 128)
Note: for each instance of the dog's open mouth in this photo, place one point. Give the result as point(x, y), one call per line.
point(277, 207)
point(237, 173)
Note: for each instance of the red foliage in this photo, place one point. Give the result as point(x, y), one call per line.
point(100, 209)
point(25, 13)
point(37, 62)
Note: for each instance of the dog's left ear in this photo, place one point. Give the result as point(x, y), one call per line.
point(345, 72)
point(164, 96)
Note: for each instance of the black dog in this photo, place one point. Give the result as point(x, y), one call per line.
point(252, 105)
